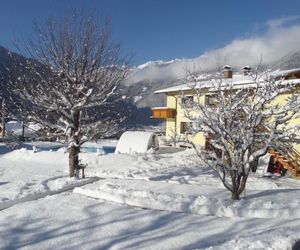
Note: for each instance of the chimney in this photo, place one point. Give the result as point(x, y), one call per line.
point(227, 71)
point(247, 70)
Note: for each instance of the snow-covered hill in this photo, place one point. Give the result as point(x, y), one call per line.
point(157, 71)
point(290, 61)
point(150, 76)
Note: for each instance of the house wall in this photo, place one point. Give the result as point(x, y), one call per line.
point(296, 121)
point(173, 125)
point(171, 122)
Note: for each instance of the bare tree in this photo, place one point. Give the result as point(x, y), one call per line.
point(241, 123)
point(73, 79)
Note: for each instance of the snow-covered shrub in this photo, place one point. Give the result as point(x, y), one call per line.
point(242, 123)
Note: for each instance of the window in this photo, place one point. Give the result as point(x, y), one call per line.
point(210, 147)
point(187, 101)
point(211, 100)
point(185, 127)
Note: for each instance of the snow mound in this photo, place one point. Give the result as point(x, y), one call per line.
point(195, 199)
point(136, 142)
point(282, 238)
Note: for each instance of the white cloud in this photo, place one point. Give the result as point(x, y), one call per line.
point(281, 37)
point(279, 22)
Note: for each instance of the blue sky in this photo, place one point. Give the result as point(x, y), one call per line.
point(159, 29)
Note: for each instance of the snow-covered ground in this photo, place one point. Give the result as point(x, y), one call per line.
point(197, 210)
point(72, 221)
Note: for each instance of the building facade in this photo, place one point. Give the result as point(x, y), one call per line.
point(177, 123)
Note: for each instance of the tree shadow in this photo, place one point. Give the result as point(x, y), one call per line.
point(177, 172)
point(271, 192)
point(4, 182)
point(104, 225)
point(4, 149)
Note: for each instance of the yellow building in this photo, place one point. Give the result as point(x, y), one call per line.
point(177, 123)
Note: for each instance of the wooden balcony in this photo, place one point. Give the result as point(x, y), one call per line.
point(290, 162)
point(163, 113)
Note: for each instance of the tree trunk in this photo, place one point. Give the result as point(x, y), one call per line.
point(73, 160)
point(3, 127)
point(74, 148)
point(239, 185)
point(23, 132)
point(235, 196)
point(235, 185)
point(243, 184)
point(239, 181)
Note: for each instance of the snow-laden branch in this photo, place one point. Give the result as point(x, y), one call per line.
point(73, 80)
point(241, 123)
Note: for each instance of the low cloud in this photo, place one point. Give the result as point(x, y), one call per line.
point(276, 42)
point(281, 22)
point(281, 37)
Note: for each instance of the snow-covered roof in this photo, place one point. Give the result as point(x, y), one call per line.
point(237, 80)
point(181, 87)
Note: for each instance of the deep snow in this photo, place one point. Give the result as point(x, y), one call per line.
point(71, 221)
point(267, 219)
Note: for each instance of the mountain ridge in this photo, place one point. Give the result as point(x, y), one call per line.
point(154, 75)
point(150, 76)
